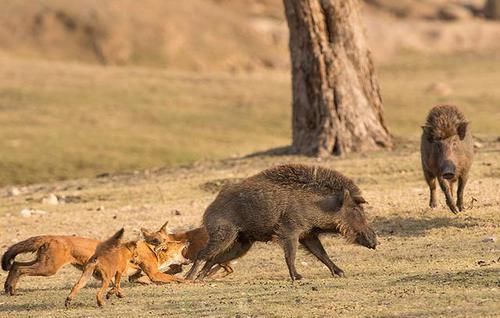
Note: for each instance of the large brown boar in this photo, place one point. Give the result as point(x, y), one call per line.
point(291, 204)
point(447, 151)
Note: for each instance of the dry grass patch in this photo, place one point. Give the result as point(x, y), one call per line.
point(430, 263)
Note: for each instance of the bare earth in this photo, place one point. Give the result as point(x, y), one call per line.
point(430, 263)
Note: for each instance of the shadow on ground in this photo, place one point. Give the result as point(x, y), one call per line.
point(278, 151)
point(487, 277)
point(412, 226)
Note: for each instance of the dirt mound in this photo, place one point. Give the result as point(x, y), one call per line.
point(222, 35)
point(195, 34)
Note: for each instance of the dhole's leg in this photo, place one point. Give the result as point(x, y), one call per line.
point(289, 245)
point(86, 275)
point(13, 276)
point(313, 245)
point(219, 240)
point(431, 182)
point(462, 181)
point(158, 277)
point(449, 199)
point(227, 270)
point(43, 266)
point(106, 280)
point(135, 276)
point(116, 290)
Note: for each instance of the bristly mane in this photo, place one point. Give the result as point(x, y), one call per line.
point(311, 178)
point(442, 122)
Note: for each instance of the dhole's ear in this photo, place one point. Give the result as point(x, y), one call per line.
point(358, 199)
point(145, 232)
point(132, 245)
point(462, 129)
point(164, 228)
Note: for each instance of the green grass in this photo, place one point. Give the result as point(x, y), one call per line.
point(63, 120)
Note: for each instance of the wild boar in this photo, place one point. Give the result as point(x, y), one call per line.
point(291, 204)
point(447, 151)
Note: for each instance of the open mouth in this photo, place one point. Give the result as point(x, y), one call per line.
point(160, 248)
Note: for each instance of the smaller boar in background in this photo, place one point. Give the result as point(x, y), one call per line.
point(446, 150)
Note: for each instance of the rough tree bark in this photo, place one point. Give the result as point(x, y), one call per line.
point(337, 106)
point(492, 9)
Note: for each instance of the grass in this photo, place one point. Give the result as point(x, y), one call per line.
point(64, 120)
point(427, 265)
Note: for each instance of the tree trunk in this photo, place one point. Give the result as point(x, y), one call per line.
point(492, 9)
point(337, 106)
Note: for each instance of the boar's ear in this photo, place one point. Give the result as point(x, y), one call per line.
point(358, 199)
point(462, 129)
point(346, 197)
point(427, 130)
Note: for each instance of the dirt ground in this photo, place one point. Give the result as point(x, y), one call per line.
point(430, 263)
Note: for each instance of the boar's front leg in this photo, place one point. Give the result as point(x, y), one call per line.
point(431, 181)
point(313, 245)
point(449, 198)
point(462, 181)
point(290, 243)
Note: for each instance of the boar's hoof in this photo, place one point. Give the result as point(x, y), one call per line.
point(297, 276)
point(338, 272)
point(461, 207)
point(8, 289)
point(453, 208)
point(432, 204)
point(67, 302)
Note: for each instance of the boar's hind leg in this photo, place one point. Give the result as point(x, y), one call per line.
point(462, 180)
point(219, 240)
point(290, 243)
point(449, 199)
point(239, 248)
point(313, 245)
point(431, 181)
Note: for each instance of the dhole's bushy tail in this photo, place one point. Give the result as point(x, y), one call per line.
point(30, 245)
point(111, 243)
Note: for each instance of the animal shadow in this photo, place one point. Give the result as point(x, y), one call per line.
point(414, 226)
point(482, 277)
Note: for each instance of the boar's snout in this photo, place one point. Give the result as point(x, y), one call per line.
point(448, 170)
point(367, 239)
